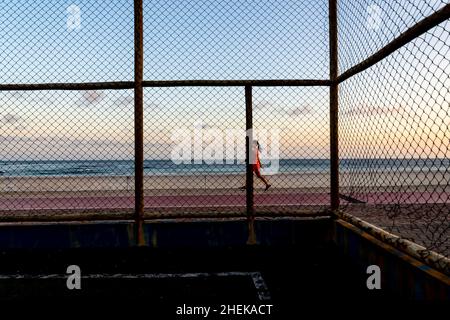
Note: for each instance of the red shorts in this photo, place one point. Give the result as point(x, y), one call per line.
point(256, 167)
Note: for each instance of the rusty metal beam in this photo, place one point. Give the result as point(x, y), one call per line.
point(237, 83)
point(68, 86)
point(139, 120)
point(334, 128)
point(121, 85)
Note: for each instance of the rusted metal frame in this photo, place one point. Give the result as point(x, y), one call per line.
point(139, 121)
point(68, 86)
point(237, 83)
point(334, 101)
point(122, 85)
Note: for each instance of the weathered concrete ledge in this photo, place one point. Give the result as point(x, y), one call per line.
point(165, 233)
point(402, 275)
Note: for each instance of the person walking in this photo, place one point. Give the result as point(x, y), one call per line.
point(256, 164)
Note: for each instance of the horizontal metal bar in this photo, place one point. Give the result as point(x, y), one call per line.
point(236, 83)
point(412, 33)
point(68, 86)
point(120, 85)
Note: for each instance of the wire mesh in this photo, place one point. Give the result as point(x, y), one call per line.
point(57, 41)
point(66, 152)
point(235, 39)
point(195, 150)
point(291, 125)
point(394, 141)
point(366, 26)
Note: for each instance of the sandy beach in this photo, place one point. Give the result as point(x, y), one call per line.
point(154, 184)
point(202, 190)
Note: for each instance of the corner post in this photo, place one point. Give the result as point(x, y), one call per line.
point(334, 108)
point(139, 121)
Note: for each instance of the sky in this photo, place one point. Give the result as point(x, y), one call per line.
point(262, 39)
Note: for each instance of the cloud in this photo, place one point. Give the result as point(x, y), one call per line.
point(11, 122)
point(298, 111)
point(91, 97)
point(18, 94)
point(261, 105)
point(10, 118)
point(365, 110)
point(290, 111)
point(124, 101)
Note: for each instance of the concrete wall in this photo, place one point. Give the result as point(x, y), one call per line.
point(402, 276)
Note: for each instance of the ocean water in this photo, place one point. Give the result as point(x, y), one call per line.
point(167, 167)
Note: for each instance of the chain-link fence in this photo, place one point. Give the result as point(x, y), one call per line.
point(66, 152)
point(71, 152)
point(395, 121)
point(191, 135)
point(71, 111)
point(292, 125)
point(188, 40)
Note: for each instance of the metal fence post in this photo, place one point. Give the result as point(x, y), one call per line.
point(249, 169)
point(139, 121)
point(334, 133)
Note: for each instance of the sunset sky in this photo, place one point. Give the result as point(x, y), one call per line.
point(228, 40)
